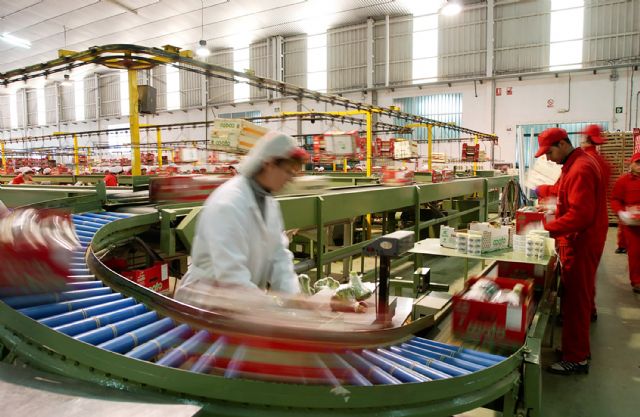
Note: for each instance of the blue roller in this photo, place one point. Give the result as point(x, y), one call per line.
point(431, 362)
point(83, 233)
point(90, 219)
point(208, 359)
point(85, 285)
point(86, 228)
point(371, 371)
point(179, 355)
point(126, 342)
point(112, 331)
point(454, 354)
point(119, 214)
point(48, 310)
point(394, 369)
point(79, 271)
point(163, 342)
point(22, 301)
point(461, 363)
point(430, 373)
point(355, 377)
point(102, 216)
point(83, 313)
point(83, 326)
point(489, 356)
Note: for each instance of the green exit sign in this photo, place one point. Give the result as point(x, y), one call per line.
point(619, 110)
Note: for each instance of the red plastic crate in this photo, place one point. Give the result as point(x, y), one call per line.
point(492, 323)
point(155, 277)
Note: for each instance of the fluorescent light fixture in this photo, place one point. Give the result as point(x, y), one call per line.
point(67, 81)
point(451, 8)
point(202, 50)
point(15, 41)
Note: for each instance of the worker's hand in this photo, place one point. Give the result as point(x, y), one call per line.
point(291, 233)
point(628, 219)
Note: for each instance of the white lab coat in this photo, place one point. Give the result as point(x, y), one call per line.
point(233, 245)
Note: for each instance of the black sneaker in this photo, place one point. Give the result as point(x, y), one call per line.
point(594, 317)
point(621, 250)
point(636, 289)
point(569, 368)
point(559, 354)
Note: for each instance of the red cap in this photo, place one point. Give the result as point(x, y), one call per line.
point(549, 137)
point(635, 157)
point(299, 153)
point(594, 133)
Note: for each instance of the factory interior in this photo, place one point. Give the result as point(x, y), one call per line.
point(320, 208)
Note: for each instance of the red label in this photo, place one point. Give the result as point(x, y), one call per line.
point(498, 91)
point(509, 91)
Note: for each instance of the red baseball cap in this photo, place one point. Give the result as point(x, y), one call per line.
point(594, 133)
point(299, 153)
point(635, 157)
point(549, 137)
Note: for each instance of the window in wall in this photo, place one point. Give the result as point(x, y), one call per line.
point(566, 34)
point(317, 62)
point(241, 115)
point(442, 107)
point(13, 109)
point(119, 141)
point(425, 48)
point(124, 93)
point(241, 91)
point(78, 96)
point(173, 88)
point(42, 113)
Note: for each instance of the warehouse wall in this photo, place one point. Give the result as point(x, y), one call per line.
point(521, 48)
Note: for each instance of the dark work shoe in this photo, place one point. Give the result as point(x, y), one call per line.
point(569, 368)
point(621, 250)
point(559, 354)
point(636, 289)
point(594, 317)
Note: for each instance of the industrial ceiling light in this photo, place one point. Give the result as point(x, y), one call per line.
point(67, 81)
point(451, 8)
point(202, 50)
point(15, 41)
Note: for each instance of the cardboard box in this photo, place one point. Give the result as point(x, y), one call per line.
point(493, 238)
point(448, 237)
point(540, 274)
point(155, 277)
point(234, 135)
point(492, 323)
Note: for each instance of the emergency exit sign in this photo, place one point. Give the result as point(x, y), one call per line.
point(619, 110)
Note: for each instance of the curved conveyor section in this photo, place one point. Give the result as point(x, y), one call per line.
point(118, 337)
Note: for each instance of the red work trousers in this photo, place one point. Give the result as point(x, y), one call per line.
point(579, 264)
point(632, 238)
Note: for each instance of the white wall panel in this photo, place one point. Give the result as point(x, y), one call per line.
point(67, 104)
point(611, 31)
point(400, 51)
point(90, 98)
point(221, 91)
point(109, 85)
point(51, 103)
point(159, 81)
point(32, 107)
point(260, 60)
point(191, 85)
point(5, 112)
point(295, 60)
point(462, 43)
point(521, 36)
point(347, 58)
point(20, 108)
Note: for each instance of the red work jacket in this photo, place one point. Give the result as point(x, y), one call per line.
point(626, 192)
point(581, 214)
point(110, 180)
point(18, 179)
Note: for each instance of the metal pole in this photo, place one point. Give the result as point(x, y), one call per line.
point(429, 146)
point(159, 141)
point(89, 158)
point(134, 121)
point(344, 165)
point(382, 309)
point(475, 163)
point(369, 139)
point(76, 159)
point(4, 157)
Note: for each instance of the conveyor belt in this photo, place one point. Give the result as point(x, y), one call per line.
point(93, 313)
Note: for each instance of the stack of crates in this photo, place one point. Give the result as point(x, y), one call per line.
point(617, 150)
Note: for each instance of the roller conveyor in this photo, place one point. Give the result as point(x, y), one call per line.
point(92, 313)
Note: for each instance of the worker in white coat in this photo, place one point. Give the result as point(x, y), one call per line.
point(239, 238)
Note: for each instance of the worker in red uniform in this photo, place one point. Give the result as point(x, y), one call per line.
point(577, 228)
point(24, 177)
point(592, 138)
point(110, 180)
point(625, 199)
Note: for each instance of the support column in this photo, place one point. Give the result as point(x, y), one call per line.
point(134, 122)
point(429, 146)
point(159, 144)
